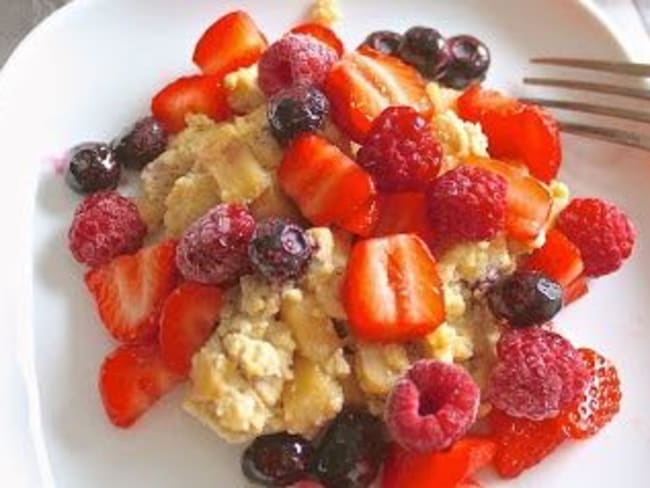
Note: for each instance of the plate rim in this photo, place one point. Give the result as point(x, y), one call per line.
point(23, 355)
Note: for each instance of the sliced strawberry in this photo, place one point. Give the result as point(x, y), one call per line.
point(522, 443)
point(576, 290)
point(328, 186)
point(558, 258)
point(190, 95)
point(470, 483)
point(130, 291)
point(600, 401)
point(322, 33)
point(188, 318)
point(529, 201)
point(444, 469)
point(232, 42)
point(363, 83)
point(403, 213)
point(392, 291)
point(131, 379)
point(516, 131)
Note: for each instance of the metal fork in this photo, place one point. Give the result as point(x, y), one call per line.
point(610, 134)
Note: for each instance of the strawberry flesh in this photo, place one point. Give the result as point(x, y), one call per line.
point(403, 213)
point(232, 42)
point(444, 469)
point(131, 379)
point(188, 318)
point(516, 131)
point(364, 83)
point(322, 33)
point(328, 186)
point(392, 291)
point(130, 290)
point(201, 94)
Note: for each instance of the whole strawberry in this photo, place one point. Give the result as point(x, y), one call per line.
point(602, 232)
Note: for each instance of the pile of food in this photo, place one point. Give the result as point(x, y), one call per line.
point(353, 258)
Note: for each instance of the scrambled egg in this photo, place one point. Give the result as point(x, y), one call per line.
point(276, 361)
point(326, 12)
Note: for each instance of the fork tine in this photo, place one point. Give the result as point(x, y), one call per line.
point(624, 91)
point(621, 113)
point(616, 136)
point(621, 68)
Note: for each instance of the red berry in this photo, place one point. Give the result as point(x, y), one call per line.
point(132, 378)
point(468, 203)
point(602, 232)
point(401, 152)
point(522, 443)
point(599, 401)
point(322, 33)
point(295, 59)
point(214, 250)
point(432, 406)
point(538, 374)
point(105, 226)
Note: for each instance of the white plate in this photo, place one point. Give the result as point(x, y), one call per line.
point(91, 69)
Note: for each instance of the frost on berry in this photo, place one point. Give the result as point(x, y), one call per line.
point(214, 250)
point(401, 152)
point(296, 59)
point(538, 374)
point(467, 204)
point(432, 406)
point(105, 225)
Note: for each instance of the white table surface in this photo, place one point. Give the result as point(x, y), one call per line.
point(17, 18)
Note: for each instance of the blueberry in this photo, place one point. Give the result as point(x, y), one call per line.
point(351, 451)
point(470, 60)
point(279, 249)
point(387, 42)
point(92, 167)
point(277, 459)
point(525, 298)
point(143, 143)
point(296, 110)
point(426, 49)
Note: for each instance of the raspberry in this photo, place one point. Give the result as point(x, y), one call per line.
point(401, 152)
point(214, 250)
point(295, 59)
point(602, 232)
point(105, 226)
point(467, 203)
point(522, 443)
point(599, 401)
point(432, 406)
point(279, 250)
point(538, 374)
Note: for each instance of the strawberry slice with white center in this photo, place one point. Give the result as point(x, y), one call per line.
point(131, 379)
point(130, 290)
point(363, 83)
point(188, 318)
point(392, 291)
point(328, 186)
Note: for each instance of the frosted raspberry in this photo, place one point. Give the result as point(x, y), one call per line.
point(295, 59)
point(467, 204)
point(538, 374)
point(105, 225)
point(401, 152)
point(602, 232)
point(432, 406)
point(214, 250)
